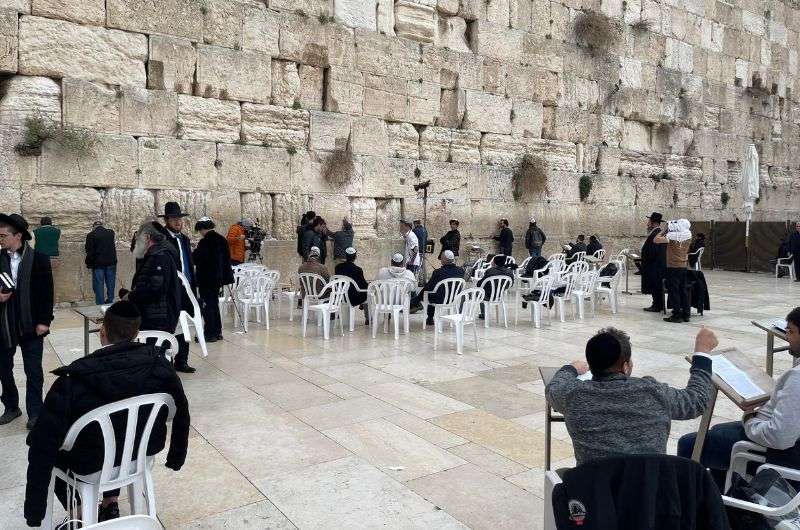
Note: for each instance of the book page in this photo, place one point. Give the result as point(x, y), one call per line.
point(739, 381)
point(585, 377)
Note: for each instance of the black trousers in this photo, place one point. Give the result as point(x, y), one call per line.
point(658, 295)
point(678, 291)
point(209, 303)
point(32, 363)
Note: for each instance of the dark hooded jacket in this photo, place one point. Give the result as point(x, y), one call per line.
point(341, 240)
point(110, 374)
point(156, 289)
point(213, 261)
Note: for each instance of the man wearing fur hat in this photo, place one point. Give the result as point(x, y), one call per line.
point(678, 238)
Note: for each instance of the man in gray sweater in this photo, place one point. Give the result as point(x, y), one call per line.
point(775, 425)
point(616, 414)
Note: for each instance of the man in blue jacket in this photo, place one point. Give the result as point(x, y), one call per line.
point(448, 270)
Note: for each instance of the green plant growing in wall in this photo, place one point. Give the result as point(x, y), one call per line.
point(38, 130)
point(585, 187)
point(724, 198)
point(530, 177)
point(596, 31)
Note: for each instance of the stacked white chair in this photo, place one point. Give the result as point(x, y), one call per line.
point(196, 319)
point(585, 291)
point(785, 263)
point(336, 290)
point(133, 471)
point(450, 287)
point(351, 308)
point(389, 298)
point(479, 271)
point(467, 305)
point(498, 286)
point(161, 339)
point(253, 294)
point(568, 283)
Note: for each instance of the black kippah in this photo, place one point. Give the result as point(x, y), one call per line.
point(602, 352)
point(124, 309)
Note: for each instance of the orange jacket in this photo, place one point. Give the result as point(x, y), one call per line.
point(235, 244)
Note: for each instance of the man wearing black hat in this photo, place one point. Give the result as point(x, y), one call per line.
point(614, 413)
point(120, 369)
point(654, 264)
point(26, 311)
point(173, 219)
point(452, 239)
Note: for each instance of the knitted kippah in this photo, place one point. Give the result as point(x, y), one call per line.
point(124, 309)
point(602, 352)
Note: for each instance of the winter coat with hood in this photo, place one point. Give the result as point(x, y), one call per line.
point(155, 288)
point(110, 374)
point(341, 240)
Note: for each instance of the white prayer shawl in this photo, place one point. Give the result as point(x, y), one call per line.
point(679, 230)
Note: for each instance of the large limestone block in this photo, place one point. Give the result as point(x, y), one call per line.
point(534, 83)
point(169, 163)
point(90, 106)
point(20, 6)
point(124, 210)
point(209, 119)
point(496, 41)
point(80, 11)
point(487, 113)
point(560, 156)
point(287, 210)
point(434, 144)
point(369, 137)
point(448, 181)
point(497, 12)
point(636, 136)
point(254, 168)
point(25, 97)
point(386, 105)
point(403, 140)
point(56, 48)
point(388, 177)
point(172, 64)
point(182, 18)
point(75, 208)
point(257, 206)
point(10, 199)
point(345, 91)
point(465, 147)
point(241, 24)
point(356, 13)
point(453, 34)
point(243, 75)
point(387, 56)
point(526, 119)
point(679, 56)
point(15, 170)
point(311, 86)
point(225, 207)
point(306, 40)
point(451, 69)
point(308, 176)
point(261, 29)
point(330, 131)
point(385, 17)
point(447, 7)
point(501, 150)
point(307, 8)
point(9, 38)
point(566, 124)
point(415, 21)
point(363, 216)
point(452, 104)
point(148, 112)
point(285, 83)
point(274, 126)
point(423, 102)
point(112, 162)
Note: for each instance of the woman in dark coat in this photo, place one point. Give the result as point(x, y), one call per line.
point(213, 270)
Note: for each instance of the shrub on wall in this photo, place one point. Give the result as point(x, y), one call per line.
point(585, 187)
point(530, 177)
point(596, 31)
point(38, 130)
point(724, 198)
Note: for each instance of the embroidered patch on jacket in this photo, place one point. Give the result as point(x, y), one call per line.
point(577, 512)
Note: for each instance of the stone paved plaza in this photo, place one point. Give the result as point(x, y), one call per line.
point(361, 433)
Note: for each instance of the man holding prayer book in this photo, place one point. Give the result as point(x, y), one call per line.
point(775, 425)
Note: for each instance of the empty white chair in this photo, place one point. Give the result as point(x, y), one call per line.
point(785, 263)
point(291, 293)
point(467, 304)
point(498, 286)
point(568, 283)
point(253, 294)
point(389, 298)
point(606, 288)
point(449, 287)
point(584, 290)
point(161, 339)
point(131, 522)
point(541, 305)
point(335, 291)
point(351, 313)
point(196, 319)
point(133, 471)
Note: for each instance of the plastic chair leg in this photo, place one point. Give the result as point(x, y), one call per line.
point(326, 324)
point(424, 315)
point(505, 315)
point(486, 308)
point(475, 334)
point(90, 498)
point(460, 338)
point(352, 315)
point(305, 318)
point(266, 312)
point(396, 318)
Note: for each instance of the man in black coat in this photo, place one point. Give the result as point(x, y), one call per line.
point(101, 259)
point(354, 272)
point(505, 238)
point(535, 239)
point(654, 264)
point(121, 369)
point(452, 239)
point(499, 268)
point(448, 270)
point(305, 221)
point(794, 247)
point(213, 271)
point(26, 312)
point(315, 235)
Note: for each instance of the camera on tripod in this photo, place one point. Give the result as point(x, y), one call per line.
point(255, 236)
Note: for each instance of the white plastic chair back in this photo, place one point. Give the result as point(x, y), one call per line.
point(577, 267)
point(599, 254)
point(387, 293)
point(579, 256)
point(557, 257)
point(451, 287)
point(275, 276)
point(568, 280)
point(312, 284)
point(556, 267)
point(498, 287)
point(196, 318)
point(588, 282)
point(162, 339)
point(338, 290)
point(510, 261)
point(545, 287)
point(480, 271)
point(256, 290)
point(785, 263)
point(523, 264)
point(468, 303)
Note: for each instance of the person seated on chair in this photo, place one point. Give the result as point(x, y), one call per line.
point(498, 268)
point(698, 243)
point(312, 264)
point(355, 273)
point(782, 253)
point(775, 425)
point(396, 270)
point(578, 246)
point(593, 246)
point(448, 270)
point(120, 369)
point(616, 414)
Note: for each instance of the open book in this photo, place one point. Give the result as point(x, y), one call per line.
point(779, 324)
point(739, 381)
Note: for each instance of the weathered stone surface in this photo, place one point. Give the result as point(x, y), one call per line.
point(385, 17)
point(386, 56)
point(566, 124)
point(285, 83)
point(330, 131)
point(60, 49)
point(487, 113)
point(369, 137)
point(148, 112)
point(345, 91)
point(305, 40)
point(534, 83)
point(311, 85)
point(274, 126)
point(20, 6)
point(307, 177)
point(363, 216)
point(453, 34)
point(452, 105)
point(415, 21)
point(309, 8)
point(15, 170)
point(423, 102)
point(254, 168)
point(465, 147)
point(261, 29)
point(209, 119)
point(527, 119)
point(356, 13)
point(10, 199)
point(182, 18)
point(77, 208)
point(434, 144)
point(241, 24)
point(169, 163)
point(9, 37)
point(387, 177)
point(635, 136)
point(403, 140)
point(233, 74)
point(90, 106)
point(496, 41)
point(124, 210)
point(447, 7)
point(80, 11)
point(25, 97)
point(172, 64)
point(111, 162)
point(387, 105)
point(501, 150)
point(679, 56)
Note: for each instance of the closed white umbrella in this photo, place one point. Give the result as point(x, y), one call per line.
point(750, 189)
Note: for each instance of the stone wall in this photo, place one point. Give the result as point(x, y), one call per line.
point(233, 107)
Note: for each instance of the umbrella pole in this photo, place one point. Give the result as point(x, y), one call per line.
point(747, 244)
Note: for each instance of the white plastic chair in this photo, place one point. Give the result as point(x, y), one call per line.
point(196, 320)
point(130, 522)
point(785, 263)
point(551, 480)
point(579, 256)
point(467, 304)
point(606, 288)
point(584, 290)
point(527, 286)
point(389, 298)
point(542, 304)
point(450, 287)
point(351, 313)
point(336, 289)
point(291, 293)
point(568, 282)
point(159, 338)
point(134, 471)
point(498, 286)
point(523, 265)
point(557, 257)
point(313, 286)
point(698, 266)
point(254, 293)
point(478, 272)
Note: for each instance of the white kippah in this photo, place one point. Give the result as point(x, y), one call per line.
point(448, 254)
point(397, 258)
point(314, 251)
point(204, 219)
point(350, 250)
